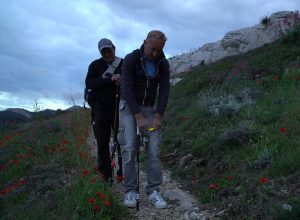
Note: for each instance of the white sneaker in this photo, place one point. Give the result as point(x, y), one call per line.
point(130, 199)
point(156, 200)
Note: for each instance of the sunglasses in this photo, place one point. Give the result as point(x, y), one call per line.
point(158, 36)
point(106, 51)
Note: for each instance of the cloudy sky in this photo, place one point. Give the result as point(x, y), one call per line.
point(47, 45)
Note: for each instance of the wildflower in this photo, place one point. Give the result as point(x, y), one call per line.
point(229, 178)
point(16, 162)
point(92, 200)
point(113, 164)
point(22, 182)
point(119, 178)
point(107, 203)
point(214, 186)
point(85, 173)
point(103, 196)
point(94, 180)
point(97, 193)
point(276, 77)
point(2, 166)
point(282, 130)
point(95, 168)
point(21, 156)
point(96, 208)
point(263, 180)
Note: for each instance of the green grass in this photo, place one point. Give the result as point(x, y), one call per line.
point(241, 115)
point(42, 167)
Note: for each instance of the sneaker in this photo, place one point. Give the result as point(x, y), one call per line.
point(156, 200)
point(130, 199)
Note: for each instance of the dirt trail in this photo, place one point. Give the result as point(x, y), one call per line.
point(181, 204)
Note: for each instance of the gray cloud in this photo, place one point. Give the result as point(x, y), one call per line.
point(47, 45)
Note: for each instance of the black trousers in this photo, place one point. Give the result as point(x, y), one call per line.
point(103, 123)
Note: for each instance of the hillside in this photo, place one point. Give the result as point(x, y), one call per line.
point(231, 132)
point(237, 42)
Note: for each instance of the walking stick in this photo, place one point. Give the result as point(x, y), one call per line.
point(116, 144)
point(143, 141)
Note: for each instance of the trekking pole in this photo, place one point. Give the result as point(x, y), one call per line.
point(143, 140)
point(116, 144)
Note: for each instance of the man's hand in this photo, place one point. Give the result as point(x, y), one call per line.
point(156, 123)
point(141, 121)
point(117, 79)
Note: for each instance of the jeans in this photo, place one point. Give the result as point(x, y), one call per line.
point(127, 138)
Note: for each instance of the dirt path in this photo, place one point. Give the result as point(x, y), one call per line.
point(181, 204)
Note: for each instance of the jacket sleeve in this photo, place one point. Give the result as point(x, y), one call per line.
point(164, 88)
point(94, 79)
point(128, 72)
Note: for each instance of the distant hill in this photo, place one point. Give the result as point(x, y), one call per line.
point(20, 115)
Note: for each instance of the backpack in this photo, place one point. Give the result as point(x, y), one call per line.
point(89, 94)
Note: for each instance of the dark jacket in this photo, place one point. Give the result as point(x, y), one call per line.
point(105, 89)
point(139, 90)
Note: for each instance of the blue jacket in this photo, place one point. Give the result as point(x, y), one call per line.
point(138, 89)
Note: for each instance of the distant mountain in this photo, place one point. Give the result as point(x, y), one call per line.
point(22, 115)
point(10, 116)
point(74, 107)
point(20, 111)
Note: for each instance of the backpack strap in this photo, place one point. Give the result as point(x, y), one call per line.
point(111, 68)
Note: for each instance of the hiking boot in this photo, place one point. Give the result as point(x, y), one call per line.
point(130, 199)
point(156, 200)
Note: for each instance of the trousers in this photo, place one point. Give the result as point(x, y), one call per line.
point(127, 137)
point(103, 123)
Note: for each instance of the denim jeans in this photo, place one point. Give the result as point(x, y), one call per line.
point(127, 137)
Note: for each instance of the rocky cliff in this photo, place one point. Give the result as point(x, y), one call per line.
point(237, 42)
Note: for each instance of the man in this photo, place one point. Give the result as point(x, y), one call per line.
point(104, 78)
point(145, 72)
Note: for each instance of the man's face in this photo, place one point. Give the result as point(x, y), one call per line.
point(153, 48)
point(108, 54)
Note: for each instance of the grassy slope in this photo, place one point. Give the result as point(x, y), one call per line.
point(239, 118)
point(47, 172)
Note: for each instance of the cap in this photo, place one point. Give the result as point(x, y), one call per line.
point(105, 43)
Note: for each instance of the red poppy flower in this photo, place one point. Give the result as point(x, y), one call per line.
point(92, 200)
point(119, 178)
point(85, 173)
point(2, 166)
point(103, 196)
point(264, 180)
point(113, 164)
point(107, 203)
point(214, 186)
point(282, 130)
point(96, 208)
point(21, 156)
point(97, 193)
point(16, 162)
point(95, 168)
point(22, 182)
point(229, 178)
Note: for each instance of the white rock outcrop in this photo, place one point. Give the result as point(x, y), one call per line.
point(237, 42)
